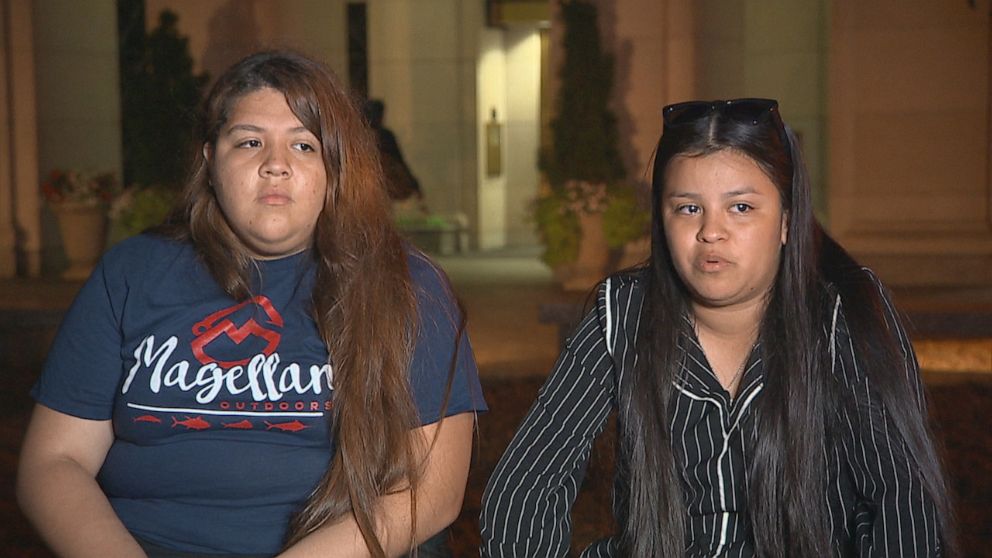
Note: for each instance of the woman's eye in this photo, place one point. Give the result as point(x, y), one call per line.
point(742, 207)
point(303, 146)
point(688, 209)
point(249, 143)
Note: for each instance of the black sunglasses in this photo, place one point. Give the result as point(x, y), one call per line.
point(744, 111)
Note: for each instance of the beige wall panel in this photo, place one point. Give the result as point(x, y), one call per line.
point(491, 93)
point(720, 20)
point(437, 163)
point(638, 41)
point(77, 85)
point(418, 66)
point(720, 69)
point(434, 90)
point(771, 24)
point(909, 121)
point(678, 74)
point(642, 104)
point(912, 69)
point(925, 155)
point(221, 32)
point(886, 214)
point(909, 14)
point(791, 77)
point(521, 131)
point(422, 29)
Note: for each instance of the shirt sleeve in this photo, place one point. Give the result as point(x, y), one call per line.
point(896, 517)
point(84, 363)
point(442, 353)
point(527, 504)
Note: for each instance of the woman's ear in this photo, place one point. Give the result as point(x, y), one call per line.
point(208, 151)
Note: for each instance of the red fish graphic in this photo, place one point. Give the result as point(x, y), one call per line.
point(218, 324)
point(147, 418)
point(191, 423)
point(294, 426)
point(240, 425)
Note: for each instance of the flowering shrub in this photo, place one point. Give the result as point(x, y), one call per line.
point(77, 187)
point(138, 208)
point(557, 210)
point(582, 196)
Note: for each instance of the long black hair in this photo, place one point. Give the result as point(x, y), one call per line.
point(787, 476)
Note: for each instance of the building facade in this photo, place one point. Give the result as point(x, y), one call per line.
point(890, 97)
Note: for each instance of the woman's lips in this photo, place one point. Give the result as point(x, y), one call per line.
point(274, 199)
point(712, 263)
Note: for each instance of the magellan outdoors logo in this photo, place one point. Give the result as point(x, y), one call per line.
point(217, 326)
point(236, 371)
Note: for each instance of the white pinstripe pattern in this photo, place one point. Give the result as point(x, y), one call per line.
point(876, 502)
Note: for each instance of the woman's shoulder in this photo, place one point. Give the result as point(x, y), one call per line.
point(424, 272)
point(619, 298)
point(147, 254)
point(430, 283)
point(862, 297)
point(622, 287)
point(146, 246)
point(860, 285)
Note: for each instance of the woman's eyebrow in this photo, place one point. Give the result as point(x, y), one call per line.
point(255, 128)
point(245, 128)
point(690, 195)
point(742, 191)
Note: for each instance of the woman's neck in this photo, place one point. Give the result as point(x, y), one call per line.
point(727, 336)
point(738, 322)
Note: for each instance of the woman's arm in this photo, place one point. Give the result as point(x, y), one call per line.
point(903, 516)
point(57, 488)
point(439, 498)
point(527, 505)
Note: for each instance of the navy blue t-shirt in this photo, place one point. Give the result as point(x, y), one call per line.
point(220, 408)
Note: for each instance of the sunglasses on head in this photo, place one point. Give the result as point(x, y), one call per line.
point(745, 111)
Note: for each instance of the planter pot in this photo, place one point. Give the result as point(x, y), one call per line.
point(84, 235)
point(590, 267)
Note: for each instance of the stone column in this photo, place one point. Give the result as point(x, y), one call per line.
point(8, 260)
point(20, 225)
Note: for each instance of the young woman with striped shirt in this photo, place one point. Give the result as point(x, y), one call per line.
point(768, 399)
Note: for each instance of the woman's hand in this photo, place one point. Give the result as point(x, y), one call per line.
point(439, 498)
point(57, 488)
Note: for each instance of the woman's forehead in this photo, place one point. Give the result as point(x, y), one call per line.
point(721, 170)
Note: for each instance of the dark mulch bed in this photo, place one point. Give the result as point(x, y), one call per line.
point(962, 411)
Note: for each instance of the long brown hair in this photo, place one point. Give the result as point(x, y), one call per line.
point(363, 301)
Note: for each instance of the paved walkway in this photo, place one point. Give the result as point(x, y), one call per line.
point(503, 291)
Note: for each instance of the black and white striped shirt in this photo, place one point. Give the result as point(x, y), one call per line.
point(876, 501)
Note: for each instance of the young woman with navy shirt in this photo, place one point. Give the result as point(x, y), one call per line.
point(274, 371)
point(768, 399)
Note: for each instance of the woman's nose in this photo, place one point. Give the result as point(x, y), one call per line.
point(275, 165)
point(711, 229)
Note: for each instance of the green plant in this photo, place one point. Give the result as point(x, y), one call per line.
point(558, 228)
point(159, 96)
point(584, 130)
point(583, 167)
point(624, 218)
point(140, 208)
